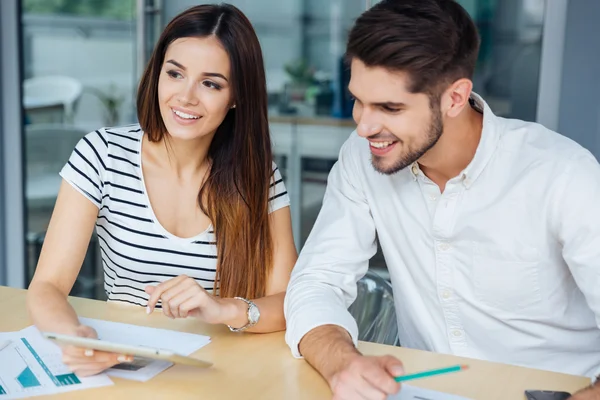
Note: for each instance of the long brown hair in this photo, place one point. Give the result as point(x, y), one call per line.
point(235, 195)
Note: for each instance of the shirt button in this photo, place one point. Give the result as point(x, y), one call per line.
point(457, 333)
point(433, 198)
point(444, 246)
point(446, 294)
point(415, 170)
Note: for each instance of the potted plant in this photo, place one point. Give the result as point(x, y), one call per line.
point(112, 101)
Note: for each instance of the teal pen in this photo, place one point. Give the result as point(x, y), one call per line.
point(432, 372)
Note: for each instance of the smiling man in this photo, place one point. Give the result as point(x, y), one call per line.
point(490, 227)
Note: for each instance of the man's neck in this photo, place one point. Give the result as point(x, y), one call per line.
point(455, 149)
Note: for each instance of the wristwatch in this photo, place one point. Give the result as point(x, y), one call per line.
point(253, 315)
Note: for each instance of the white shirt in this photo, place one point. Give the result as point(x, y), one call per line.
point(504, 265)
point(106, 167)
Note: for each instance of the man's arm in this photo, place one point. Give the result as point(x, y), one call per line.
point(335, 256)
point(340, 349)
point(329, 349)
point(324, 284)
point(577, 223)
point(590, 393)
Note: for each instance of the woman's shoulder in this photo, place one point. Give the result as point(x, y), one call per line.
point(274, 166)
point(112, 140)
point(116, 134)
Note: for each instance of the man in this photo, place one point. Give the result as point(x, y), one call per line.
point(490, 227)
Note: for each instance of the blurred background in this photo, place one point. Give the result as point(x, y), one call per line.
point(79, 61)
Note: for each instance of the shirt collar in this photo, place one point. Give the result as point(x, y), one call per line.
point(485, 149)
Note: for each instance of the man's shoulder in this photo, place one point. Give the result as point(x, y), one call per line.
point(533, 142)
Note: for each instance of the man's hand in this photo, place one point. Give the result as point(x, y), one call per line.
point(369, 378)
point(589, 393)
point(329, 349)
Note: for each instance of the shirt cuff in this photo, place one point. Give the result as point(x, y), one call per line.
point(305, 321)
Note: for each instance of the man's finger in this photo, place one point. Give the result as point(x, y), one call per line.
point(392, 365)
point(382, 374)
point(351, 385)
point(368, 390)
point(381, 379)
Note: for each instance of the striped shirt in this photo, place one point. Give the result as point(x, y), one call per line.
point(137, 250)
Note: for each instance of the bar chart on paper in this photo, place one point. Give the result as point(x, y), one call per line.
point(32, 366)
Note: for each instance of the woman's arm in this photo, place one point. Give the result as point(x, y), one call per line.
point(183, 296)
point(64, 249)
point(62, 254)
point(284, 258)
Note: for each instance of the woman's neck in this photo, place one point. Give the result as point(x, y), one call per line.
point(183, 158)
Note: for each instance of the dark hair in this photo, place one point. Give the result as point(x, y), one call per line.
point(236, 194)
point(434, 41)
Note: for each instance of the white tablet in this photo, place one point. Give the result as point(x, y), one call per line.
point(140, 351)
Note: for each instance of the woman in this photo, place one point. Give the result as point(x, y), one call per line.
point(187, 202)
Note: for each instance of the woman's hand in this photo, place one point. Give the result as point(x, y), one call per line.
point(183, 296)
point(86, 362)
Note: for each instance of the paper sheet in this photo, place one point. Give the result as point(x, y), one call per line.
point(142, 369)
point(415, 393)
point(31, 366)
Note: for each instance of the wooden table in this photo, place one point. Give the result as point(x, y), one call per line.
point(253, 366)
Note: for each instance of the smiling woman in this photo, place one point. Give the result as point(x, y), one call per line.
point(189, 207)
point(196, 71)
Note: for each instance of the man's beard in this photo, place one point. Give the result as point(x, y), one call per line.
point(434, 132)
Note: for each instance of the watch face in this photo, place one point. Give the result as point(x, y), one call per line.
point(253, 314)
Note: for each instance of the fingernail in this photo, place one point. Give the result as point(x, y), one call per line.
point(398, 371)
point(148, 311)
point(123, 359)
point(88, 352)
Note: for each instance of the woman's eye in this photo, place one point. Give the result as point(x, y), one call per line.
point(174, 74)
point(211, 85)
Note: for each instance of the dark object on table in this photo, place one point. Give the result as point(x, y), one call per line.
point(546, 395)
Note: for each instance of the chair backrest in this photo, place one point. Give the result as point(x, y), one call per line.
point(48, 147)
point(374, 310)
point(53, 90)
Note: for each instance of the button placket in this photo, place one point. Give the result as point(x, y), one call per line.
point(443, 223)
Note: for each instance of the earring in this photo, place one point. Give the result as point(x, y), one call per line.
point(233, 106)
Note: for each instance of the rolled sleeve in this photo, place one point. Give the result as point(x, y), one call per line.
point(316, 307)
point(336, 255)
